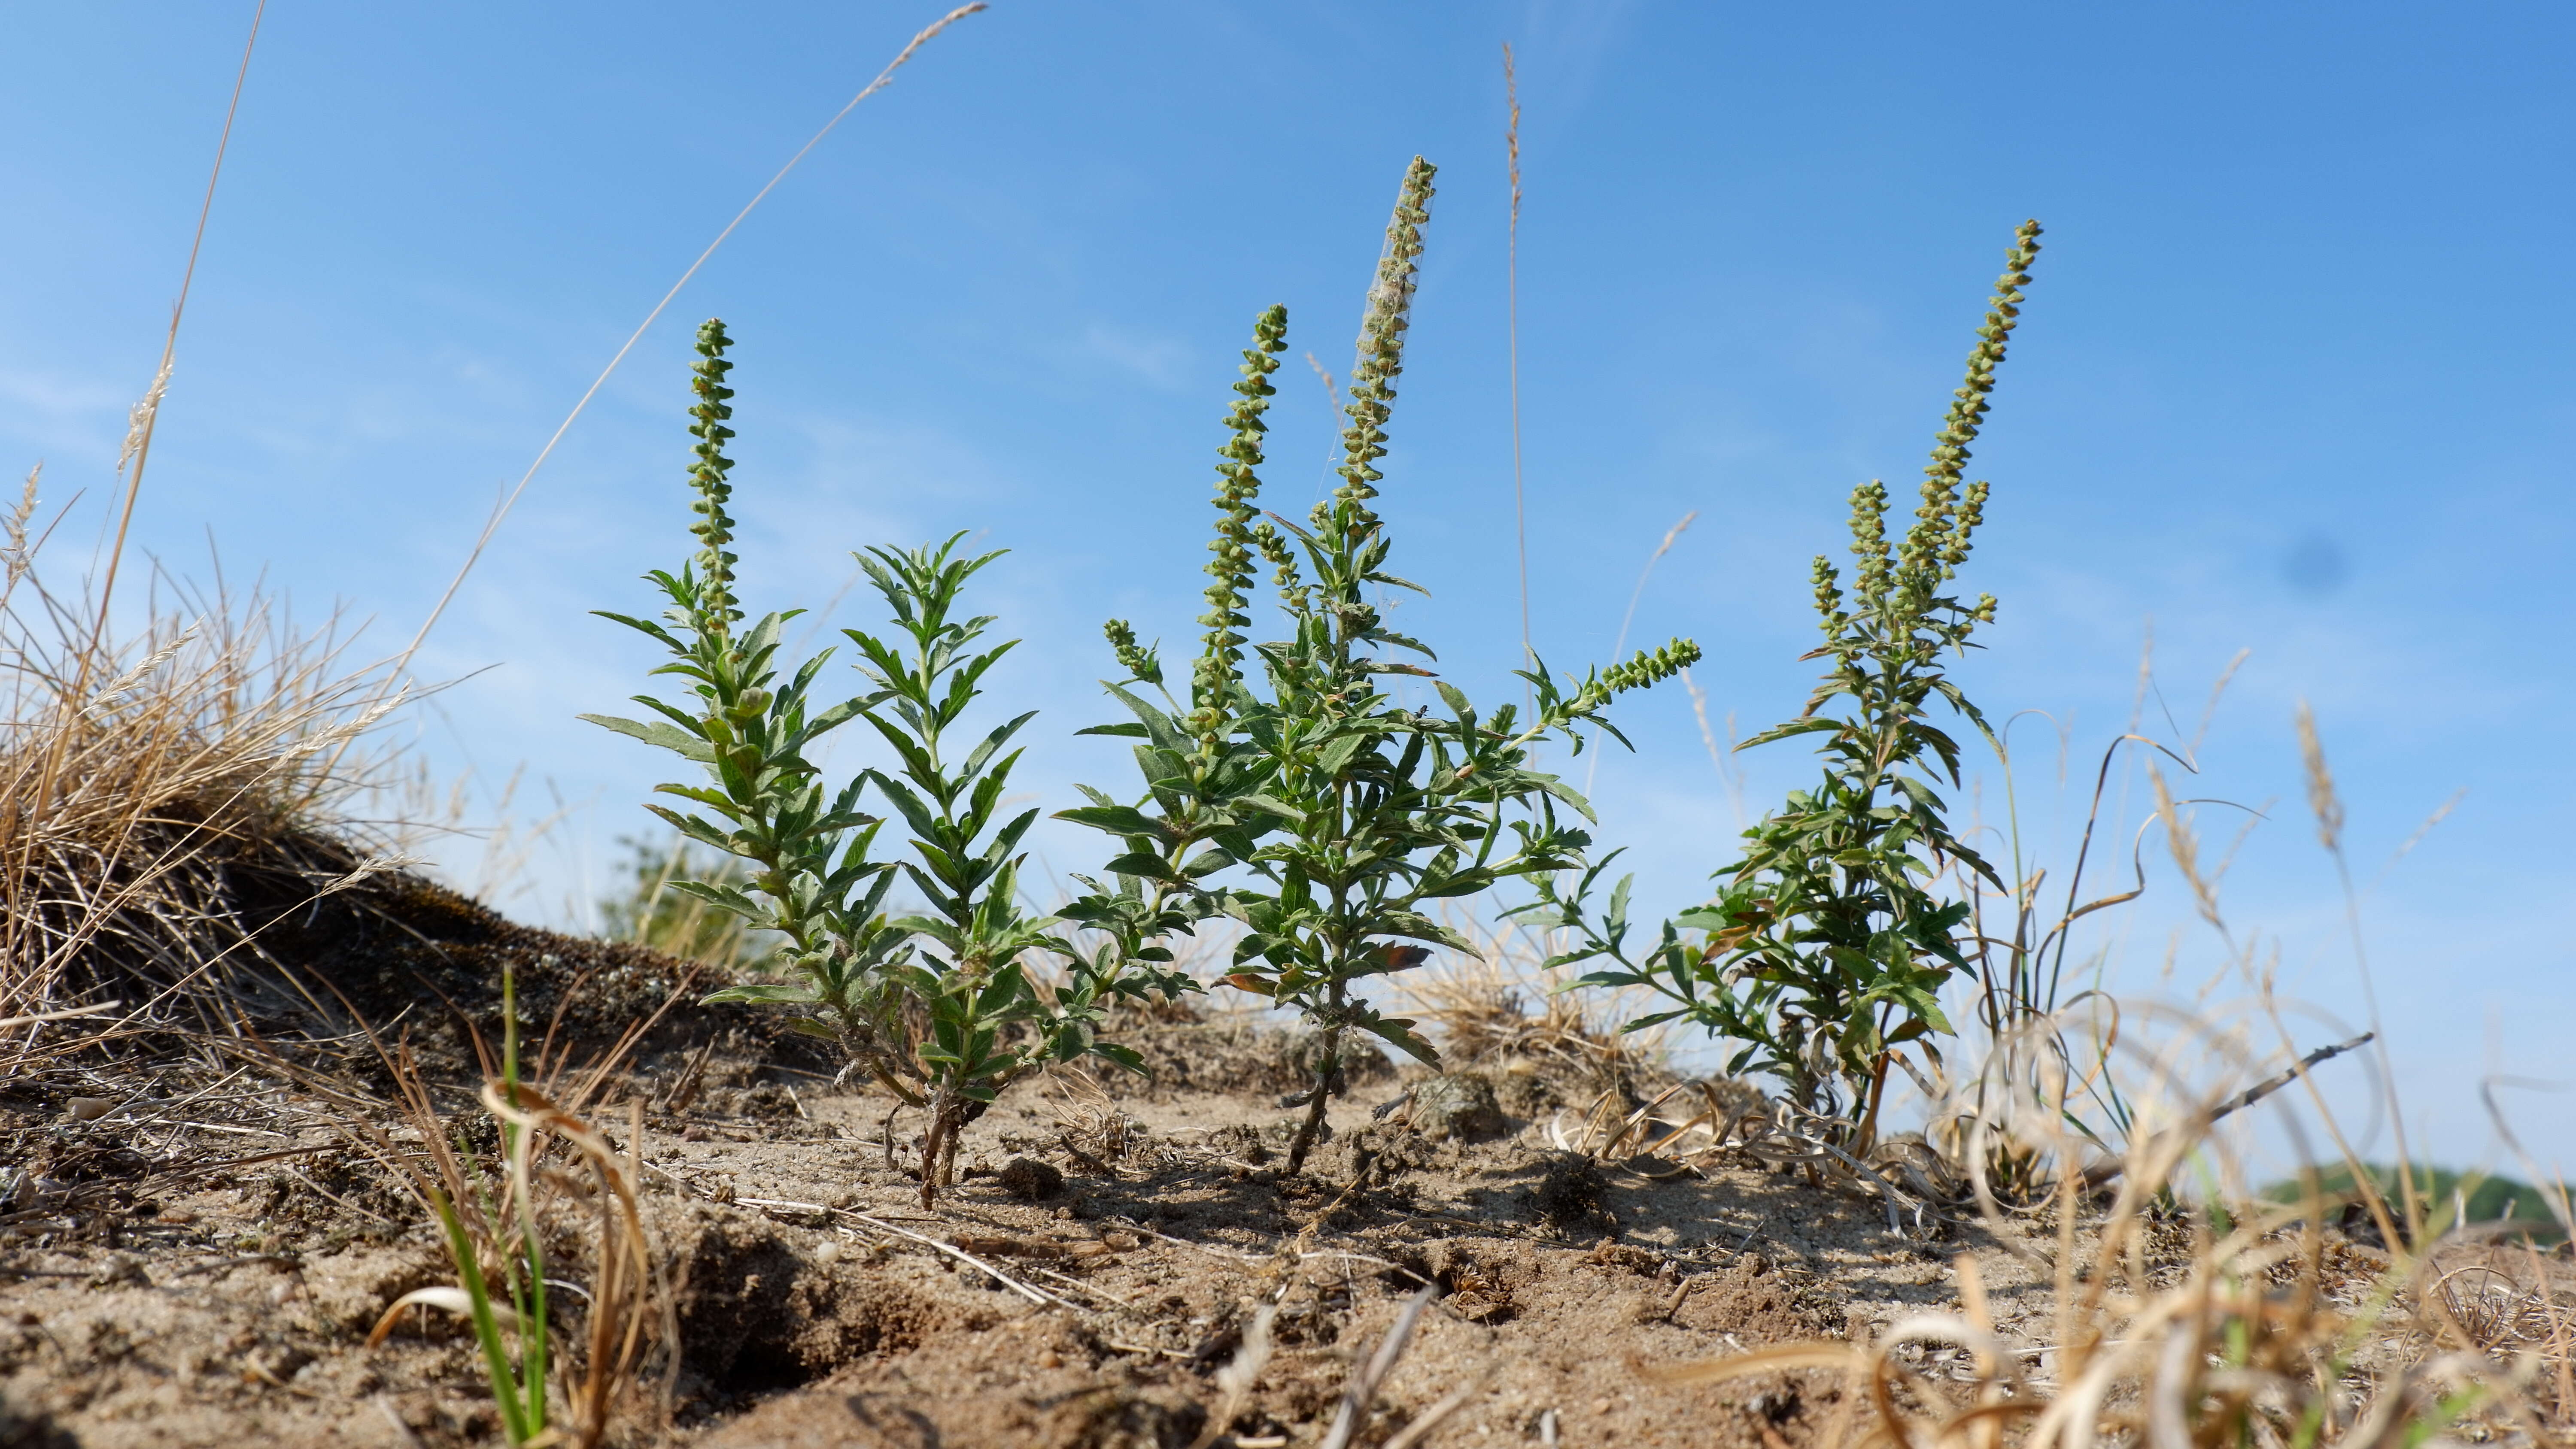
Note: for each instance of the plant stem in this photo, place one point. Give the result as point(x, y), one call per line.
point(1327, 1067)
point(933, 1143)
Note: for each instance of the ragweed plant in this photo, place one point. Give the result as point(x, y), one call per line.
point(1348, 810)
point(1204, 806)
point(939, 1008)
point(968, 967)
point(1829, 940)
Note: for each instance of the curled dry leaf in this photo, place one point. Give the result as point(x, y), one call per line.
point(445, 1297)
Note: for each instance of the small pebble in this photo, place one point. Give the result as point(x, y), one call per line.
point(88, 1109)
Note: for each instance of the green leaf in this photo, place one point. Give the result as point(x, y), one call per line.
point(1399, 1032)
point(1116, 819)
point(763, 994)
point(669, 737)
point(1146, 865)
point(1124, 1056)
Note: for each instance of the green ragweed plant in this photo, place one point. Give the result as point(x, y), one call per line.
point(1204, 805)
point(938, 1008)
point(1348, 811)
point(1826, 948)
point(969, 970)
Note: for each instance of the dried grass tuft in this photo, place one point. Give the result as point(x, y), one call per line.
point(148, 784)
point(1501, 1006)
point(2263, 1330)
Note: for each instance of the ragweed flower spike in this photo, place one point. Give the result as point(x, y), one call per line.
point(1829, 596)
point(1381, 345)
point(1219, 666)
point(1139, 661)
point(1943, 528)
point(1651, 667)
point(1869, 542)
point(707, 476)
point(1645, 669)
point(1954, 551)
point(1282, 556)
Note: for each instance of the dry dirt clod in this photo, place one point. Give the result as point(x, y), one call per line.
point(1569, 1193)
point(1458, 1105)
point(1029, 1180)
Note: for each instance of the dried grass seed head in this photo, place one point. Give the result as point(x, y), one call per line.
point(2323, 799)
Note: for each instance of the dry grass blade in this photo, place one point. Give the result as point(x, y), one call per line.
point(1438, 1414)
point(501, 511)
point(1499, 1006)
point(1236, 1379)
point(446, 1299)
point(13, 1022)
point(1034, 1294)
point(1366, 1380)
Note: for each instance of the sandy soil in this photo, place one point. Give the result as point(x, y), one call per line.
point(201, 1270)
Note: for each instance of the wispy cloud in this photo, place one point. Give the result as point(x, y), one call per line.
point(1161, 361)
point(64, 416)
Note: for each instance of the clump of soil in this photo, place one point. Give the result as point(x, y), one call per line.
point(415, 960)
point(1028, 1179)
point(1194, 1044)
point(1571, 1194)
point(1457, 1104)
point(309, 948)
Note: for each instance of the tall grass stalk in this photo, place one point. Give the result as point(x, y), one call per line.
point(1636, 596)
point(501, 510)
point(1512, 287)
point(146, 415)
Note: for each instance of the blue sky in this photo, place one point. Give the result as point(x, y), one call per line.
point(2292, 378)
